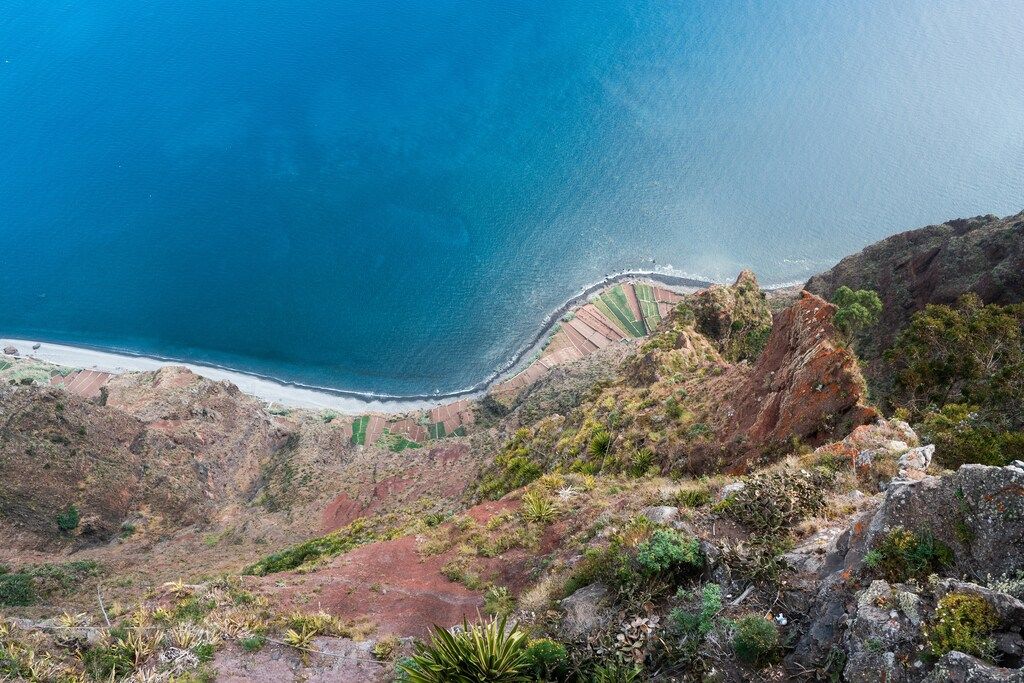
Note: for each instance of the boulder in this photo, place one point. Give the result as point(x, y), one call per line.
point(956, 667)
point(660, 514)
point(584, 611)
point(10, 351)
point(915, 462)
point(730, 490)
point(881, 638)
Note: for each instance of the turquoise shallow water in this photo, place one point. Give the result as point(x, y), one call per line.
point(390, 196)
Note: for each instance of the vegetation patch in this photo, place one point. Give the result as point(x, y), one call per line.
point(487, 651)
point(34, 582)
point(359, 430)
point(756, 640)
point(358, 533)
point(902, 554)
point(771, 503)
point(962, 622)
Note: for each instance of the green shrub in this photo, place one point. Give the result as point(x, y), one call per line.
point(615, 672)
point(487, 651)
point(856, 310)
point(756, 640)
point(513, 468)
point(667, 551)
point(968, 354)
point(962, 436)
point(193, 609)
point(962, 622)
point(335, 543)
point(695, 625)
point(67, 520)
point(253, 643)
point(600, 441)
point(538, 508)
point(546, 660)
point(902, 554)
point(385, 648)
point(16, 590)
point(696, 496)
point(107, 663)
point(204, 652)
point(641, 462)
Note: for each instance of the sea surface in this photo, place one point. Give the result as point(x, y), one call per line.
point(390, 196)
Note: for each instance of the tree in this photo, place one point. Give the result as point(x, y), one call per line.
point(856, 311)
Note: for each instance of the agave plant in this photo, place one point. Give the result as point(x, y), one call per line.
point(538, 508)
point(491, 651)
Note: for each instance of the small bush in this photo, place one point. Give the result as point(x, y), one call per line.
point(962, 622)
point(694, 496)
point(513, 468)
point(615, 672)
point(538, 508)
point(695, 625)
point(385, 648)
point(903, 554)
point(756, 641)
point(600, 442)
point(459, 571)
point(253, 643)
point(67, 520)
point(546, 660)
point(480, 652)
point(641, 462)
point(193, 609)
point(769, 503)
point(666, 551)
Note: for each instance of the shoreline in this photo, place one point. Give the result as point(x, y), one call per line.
point(298, 395)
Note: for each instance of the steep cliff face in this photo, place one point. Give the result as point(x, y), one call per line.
point(932, 265)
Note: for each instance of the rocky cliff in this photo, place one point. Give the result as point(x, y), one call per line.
point(932, 265)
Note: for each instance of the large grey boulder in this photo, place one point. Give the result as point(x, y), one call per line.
point(660, 514)
point(956, 667)
point(584, 611)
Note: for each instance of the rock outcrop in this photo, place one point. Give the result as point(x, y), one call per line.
point(804, 385)
point(737, 317)
point(880, 627)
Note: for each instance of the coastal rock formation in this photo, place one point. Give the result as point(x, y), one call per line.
point(804, 385)
point(737, 317)
point(932, 265)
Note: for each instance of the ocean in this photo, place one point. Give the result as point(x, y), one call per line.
point(390, 196)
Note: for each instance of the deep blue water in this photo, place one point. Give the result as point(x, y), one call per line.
point(390, 196)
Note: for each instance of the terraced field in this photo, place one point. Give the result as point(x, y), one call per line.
point(615, 304)
point(622, 311)
point(359, 430)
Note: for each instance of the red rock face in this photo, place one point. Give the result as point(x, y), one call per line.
point(804, 384)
